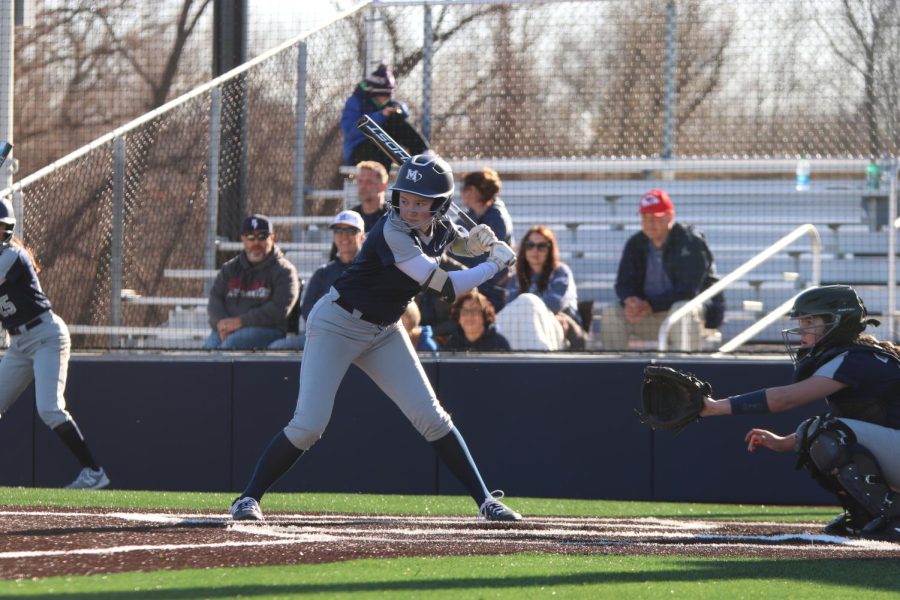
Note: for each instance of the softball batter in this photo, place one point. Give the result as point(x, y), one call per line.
point(38, 350)
point(357, 322)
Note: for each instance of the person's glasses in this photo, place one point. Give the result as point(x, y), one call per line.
point(259, 235)
point(539, 245)
point(344, 230)
point(470, 312)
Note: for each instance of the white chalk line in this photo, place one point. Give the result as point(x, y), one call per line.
point(626, 531)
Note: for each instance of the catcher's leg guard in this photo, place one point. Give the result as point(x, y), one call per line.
point(863, 491)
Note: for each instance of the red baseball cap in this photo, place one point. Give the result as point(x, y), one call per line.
point(656, 202)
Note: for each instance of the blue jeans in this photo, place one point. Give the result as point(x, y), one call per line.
point(245, 338)
point(291, 342)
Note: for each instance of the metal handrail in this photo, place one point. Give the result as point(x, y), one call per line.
point(690, 305)
point(761, 324)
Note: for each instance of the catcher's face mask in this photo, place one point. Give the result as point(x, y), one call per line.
point(809, 330)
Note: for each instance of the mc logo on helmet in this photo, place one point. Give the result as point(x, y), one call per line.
point(413, 175)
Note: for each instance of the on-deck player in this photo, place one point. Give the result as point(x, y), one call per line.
point(358, 322)
point(38, 350)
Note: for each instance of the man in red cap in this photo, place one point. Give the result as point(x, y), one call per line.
point(662, 267)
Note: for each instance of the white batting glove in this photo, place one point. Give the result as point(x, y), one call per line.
point(480, 240)
point(502, 255)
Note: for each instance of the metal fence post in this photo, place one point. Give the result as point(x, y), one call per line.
point(297, 193)
point(892, 249)
point(427, 54)
point(118, 234)
point(670, 91)
point(212, 184)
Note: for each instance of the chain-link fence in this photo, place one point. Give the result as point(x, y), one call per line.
point(755, 117)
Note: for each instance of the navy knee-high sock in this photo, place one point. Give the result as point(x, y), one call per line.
point(71, 436)
point(276, 460)
point(453, 451)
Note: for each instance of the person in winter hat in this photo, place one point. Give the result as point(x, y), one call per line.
point(374, 96)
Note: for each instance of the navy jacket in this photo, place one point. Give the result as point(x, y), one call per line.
point(687, 261)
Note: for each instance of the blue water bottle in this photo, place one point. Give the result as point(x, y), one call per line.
point(802, 175)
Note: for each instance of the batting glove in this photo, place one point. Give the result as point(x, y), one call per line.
point(480, 240)
point(502, 255)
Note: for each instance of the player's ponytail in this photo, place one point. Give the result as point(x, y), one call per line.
point(17, 242)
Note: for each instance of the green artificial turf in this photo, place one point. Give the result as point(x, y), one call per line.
point(511, 576)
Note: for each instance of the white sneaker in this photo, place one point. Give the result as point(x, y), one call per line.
point(89, 479)
point(494, 510)
point(246, 509)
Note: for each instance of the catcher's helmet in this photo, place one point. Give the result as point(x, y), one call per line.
point(8, 219)
point(426, 175)
point(839, 306)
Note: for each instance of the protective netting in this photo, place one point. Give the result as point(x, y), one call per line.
point(581, 107)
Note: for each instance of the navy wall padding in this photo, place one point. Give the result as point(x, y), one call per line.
point(153, 425)
point(559, 430)
point(17, 441)
point(536, 427)
point(369, 446)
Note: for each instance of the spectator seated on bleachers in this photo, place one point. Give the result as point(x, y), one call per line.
point(662, 266)
point(475, 317)
point(419, 335)
point(347, 231)
point(253, 294)
point(484, 206)
point(541, 274)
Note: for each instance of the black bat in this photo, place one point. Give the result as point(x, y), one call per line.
point(397, 153)
point(5, 149)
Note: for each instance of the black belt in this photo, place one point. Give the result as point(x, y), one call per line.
point(359, 314)
point(28, 326)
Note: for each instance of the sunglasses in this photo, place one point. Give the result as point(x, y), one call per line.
point(344, 230)
point(260, 235)
point(538, 245)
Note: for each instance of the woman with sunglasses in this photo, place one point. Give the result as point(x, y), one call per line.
point(39, 347)
point(358, 322)
point(853, 450)
point(540, 273)
point(253, 294)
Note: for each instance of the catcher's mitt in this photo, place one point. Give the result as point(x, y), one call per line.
point(671, 399)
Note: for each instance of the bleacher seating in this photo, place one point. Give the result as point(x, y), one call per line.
point(593, 218)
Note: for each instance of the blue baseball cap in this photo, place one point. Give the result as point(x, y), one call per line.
point(256, 222)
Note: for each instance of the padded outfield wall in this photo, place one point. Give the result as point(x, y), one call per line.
point(538, 426)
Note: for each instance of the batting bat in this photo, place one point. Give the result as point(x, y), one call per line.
point(5, 149)
point(397, 154)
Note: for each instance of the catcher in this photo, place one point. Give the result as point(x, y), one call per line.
point(853, 450)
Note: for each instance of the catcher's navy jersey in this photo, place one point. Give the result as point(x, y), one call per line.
point(869, 375)
point(21, 297)
point(373, 284)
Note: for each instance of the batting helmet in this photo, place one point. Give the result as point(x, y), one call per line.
point(842, 310)
point(426, 175)
point(7, 218)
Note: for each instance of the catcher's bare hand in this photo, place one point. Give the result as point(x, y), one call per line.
point(767, 439)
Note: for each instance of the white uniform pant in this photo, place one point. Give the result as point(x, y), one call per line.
point(40, 354)
point(884, 444)
point(335, 339)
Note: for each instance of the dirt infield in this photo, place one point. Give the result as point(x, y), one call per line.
point(40, 542)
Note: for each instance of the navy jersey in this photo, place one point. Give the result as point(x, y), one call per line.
point(21, 297)
point(873, 384)
point(373, 284)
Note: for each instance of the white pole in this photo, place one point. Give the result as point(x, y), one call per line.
point(7, 48)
